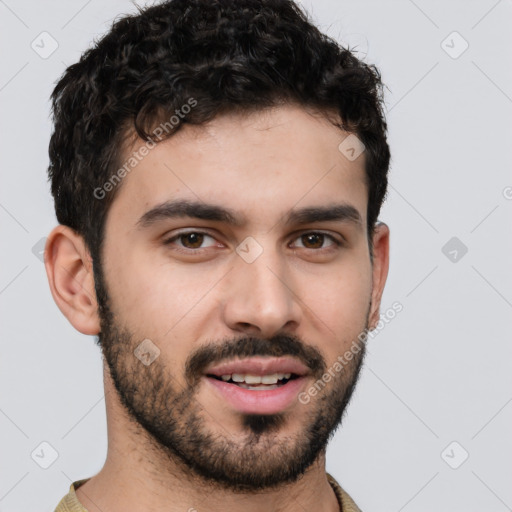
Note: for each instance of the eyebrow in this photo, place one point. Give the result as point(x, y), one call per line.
point(183, 208)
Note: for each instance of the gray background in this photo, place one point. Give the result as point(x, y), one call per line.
point(437, 374)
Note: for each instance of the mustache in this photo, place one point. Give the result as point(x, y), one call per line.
point(278, 346)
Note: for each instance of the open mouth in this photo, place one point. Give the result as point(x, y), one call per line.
point(257, 382)
point(253, 387)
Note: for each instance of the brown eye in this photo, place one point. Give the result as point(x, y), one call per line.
point(192, 240)
point(315, 240)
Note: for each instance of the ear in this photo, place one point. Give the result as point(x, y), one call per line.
point(69, 270)
point(379, 270)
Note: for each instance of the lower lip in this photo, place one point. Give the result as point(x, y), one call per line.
point(250, 401)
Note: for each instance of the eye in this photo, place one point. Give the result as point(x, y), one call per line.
point(315, 240)
point(191, 240)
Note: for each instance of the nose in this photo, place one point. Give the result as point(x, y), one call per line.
point(260, 299)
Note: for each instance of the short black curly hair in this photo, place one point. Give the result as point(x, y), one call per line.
point(228, 56)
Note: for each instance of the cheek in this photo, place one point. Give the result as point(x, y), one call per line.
point(136, 287)
point(155, 296)
point(337, 305)
point(340, 303)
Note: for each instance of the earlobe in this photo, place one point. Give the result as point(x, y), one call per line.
point(71, 279)
point(379, 270)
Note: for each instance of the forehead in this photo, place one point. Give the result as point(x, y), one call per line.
point(261, 164)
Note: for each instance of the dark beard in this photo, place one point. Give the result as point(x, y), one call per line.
point(177, 423)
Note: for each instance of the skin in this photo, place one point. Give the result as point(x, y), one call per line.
point(316, 296)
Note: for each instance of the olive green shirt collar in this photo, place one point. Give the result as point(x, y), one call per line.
point(70, 502)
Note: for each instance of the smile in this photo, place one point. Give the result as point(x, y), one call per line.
point(257, 398)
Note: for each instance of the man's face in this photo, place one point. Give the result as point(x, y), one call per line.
point(270, 289)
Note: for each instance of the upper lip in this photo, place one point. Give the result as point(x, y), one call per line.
point(258, 366)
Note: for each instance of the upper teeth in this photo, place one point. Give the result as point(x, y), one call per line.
point(256, 379)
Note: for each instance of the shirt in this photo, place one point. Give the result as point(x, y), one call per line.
point(70, 502)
